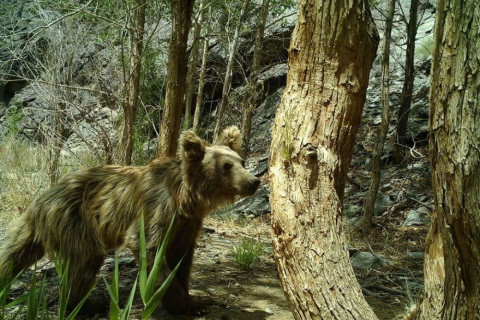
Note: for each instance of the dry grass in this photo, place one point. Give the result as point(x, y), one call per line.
point(23, 175)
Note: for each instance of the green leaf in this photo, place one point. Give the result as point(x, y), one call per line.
point(158, 295)
point(80, 304)
point(17, 301)
point(128, 306)
point(31, 305)
point(159, 257)
point(113, 300)
point(143, 260)
point(114, 307)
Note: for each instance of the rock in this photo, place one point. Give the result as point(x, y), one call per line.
point(269, 311)
point(355, 222)
point(383, 203)
point(256, 205)
point(367, 260)
point(418, 217)
point(415, 255)
point(351, 210)
point(262, 126)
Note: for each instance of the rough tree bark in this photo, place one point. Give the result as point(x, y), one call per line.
point(132, 86)
point(176, 78)
point(201, 81)
point(228, 73)
point(452, 261)
point(192, 71)
point(331, 53)
point(253, 92)
point(383, 129)
point(62, 131)
point(407, 90)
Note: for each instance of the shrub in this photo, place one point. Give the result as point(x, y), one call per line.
point(246, 253)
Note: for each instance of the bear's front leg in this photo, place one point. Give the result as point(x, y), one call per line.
point(177, 299)
point(174, 302)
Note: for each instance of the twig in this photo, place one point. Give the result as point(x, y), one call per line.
point(386, 289)
point(429, 207)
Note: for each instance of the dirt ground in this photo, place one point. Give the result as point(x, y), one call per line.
point(228, 292)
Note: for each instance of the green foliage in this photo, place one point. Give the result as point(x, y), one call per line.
point(35, 298)
point(247, 252)
point(6, 282)
point(151, 298)
point(278, 7)
point(115, 313)
point(62, 268)
point(16, 115)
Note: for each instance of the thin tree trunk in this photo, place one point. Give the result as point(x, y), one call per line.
point(331, 53)
point(228, 74)
point(201, 81)
point(176, 78)
point(383, 129)
point(60, 135)
point(407, 91)
point(253, 92)
point(192, 71)
point(132, 87)
point(452, 262)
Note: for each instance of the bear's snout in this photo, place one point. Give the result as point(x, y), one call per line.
point(253, 185)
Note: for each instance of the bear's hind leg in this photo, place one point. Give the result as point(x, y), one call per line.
point(82, 276)
point(19, 251)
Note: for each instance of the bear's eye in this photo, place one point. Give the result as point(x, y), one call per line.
point(227, 166)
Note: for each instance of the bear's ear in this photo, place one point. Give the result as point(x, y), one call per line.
point(191, 147)
point(232, 138)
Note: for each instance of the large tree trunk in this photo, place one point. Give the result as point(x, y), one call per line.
point(383, 129)
point(132, 86)
point(201, 81)
point(176, 78)
point(253, 92)
point(192, 71)
point(407, 91)
point(331, 53)
point(228, 73)
point(452, 263)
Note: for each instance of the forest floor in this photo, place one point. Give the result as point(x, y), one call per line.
point(229, 292)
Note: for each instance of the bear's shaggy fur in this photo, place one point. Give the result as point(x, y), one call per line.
point(91, 211)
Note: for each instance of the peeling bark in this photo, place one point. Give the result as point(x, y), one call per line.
point(331, 53)
point(452, 263)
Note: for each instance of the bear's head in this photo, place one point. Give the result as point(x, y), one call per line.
point(217, 168)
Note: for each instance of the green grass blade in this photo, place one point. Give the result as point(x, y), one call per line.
point(32, 309)
point(44, 307)
point(80, 304)
point(159, 257)
point(128, 307)
point(114, 307)
point(18, 312)
point(113, 299)
point(143, 260)
point(158, 295)
point(63, 289)
point(17, 301)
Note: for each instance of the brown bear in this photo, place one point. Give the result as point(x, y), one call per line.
point(91, 211)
